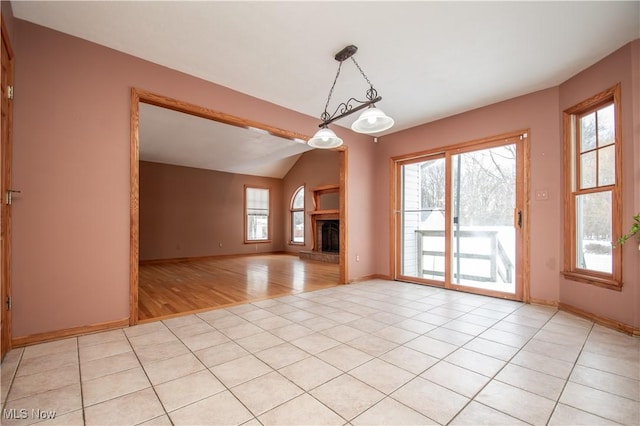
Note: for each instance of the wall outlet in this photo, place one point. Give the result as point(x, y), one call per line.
point(542, 194)
point(357, 258)
point(220, 245)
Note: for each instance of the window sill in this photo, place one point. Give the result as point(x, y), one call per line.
point(291, 243)
point(609, 283)
point(257, 241)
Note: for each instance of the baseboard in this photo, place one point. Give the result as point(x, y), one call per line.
point(69, 332)
point(543, 302)
point(606, 322)
point(370, 277)
point(211, 257)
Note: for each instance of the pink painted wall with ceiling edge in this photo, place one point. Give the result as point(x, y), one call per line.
point(71, 160)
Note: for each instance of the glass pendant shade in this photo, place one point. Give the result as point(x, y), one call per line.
point(372, 120)
point(325, 139)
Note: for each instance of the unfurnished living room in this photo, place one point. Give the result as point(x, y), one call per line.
point(320, 213)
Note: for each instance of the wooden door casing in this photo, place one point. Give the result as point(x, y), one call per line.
point(5, 185)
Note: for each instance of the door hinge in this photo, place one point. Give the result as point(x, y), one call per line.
point(8, 303)
point(9, 196)
point(10, 92)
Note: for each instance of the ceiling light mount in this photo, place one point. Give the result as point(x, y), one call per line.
point(370, 121)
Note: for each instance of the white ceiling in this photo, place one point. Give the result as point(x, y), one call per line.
point(173, 137)
point(428, 60)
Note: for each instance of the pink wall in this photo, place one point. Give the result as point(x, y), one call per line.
point(71, 160)
point(314, 168)
point(621, 66)
point(538, 112)
point(188, 212)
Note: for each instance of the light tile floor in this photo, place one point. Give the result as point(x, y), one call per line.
point(379, 352)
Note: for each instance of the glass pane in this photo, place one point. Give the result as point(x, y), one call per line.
point(257, 227)
point(298, 199)
point(588, 132)
point(297, 227)
point(588, 170)
point(606, 126)
point(483, 237)
point(607, 165)
point(593, 232)
point(423, 186)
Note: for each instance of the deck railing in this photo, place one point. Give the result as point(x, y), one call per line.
point(500, 266)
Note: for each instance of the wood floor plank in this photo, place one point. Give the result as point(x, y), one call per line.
point(167, 289)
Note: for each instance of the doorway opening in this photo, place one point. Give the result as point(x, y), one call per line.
point(140, 96)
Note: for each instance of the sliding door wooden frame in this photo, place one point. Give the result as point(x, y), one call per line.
point(137, 96)
point(522, 204)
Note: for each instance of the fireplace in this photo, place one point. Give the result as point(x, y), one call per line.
point(328, 236)
point(325, 225)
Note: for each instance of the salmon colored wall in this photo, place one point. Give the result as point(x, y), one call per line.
point(314, 168)
point(619, 67)
point(71, 160)
point(188, 212)
point(538, 112)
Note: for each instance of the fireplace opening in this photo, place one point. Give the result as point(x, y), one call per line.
point(330, 236)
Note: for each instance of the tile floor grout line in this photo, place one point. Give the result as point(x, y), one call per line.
point(569, 377)
point(13, 378)
point(226, 388)
point(502, 368)
point(126, 336)
point(84, 417)
point(431, 366)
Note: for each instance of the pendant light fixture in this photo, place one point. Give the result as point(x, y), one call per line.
point(372, 120)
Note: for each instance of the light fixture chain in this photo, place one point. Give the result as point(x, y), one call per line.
point(361, 72)
point(325, 114)
point(371, 93)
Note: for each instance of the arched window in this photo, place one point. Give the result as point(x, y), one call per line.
point(297, 216)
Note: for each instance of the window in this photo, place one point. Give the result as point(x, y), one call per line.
point(297, 216)
point(593, 207)
point(257, 223)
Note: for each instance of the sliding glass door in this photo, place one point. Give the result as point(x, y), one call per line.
point(483, 241)
point(459, 217)
point(423, 219)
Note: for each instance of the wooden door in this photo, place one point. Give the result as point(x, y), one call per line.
point(5, 185)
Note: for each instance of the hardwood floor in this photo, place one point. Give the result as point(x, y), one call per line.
point(171, 288)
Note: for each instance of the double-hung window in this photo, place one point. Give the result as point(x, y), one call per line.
point(593, 207)
point(257, 218)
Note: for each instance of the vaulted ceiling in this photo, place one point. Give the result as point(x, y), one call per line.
point(428, 60)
